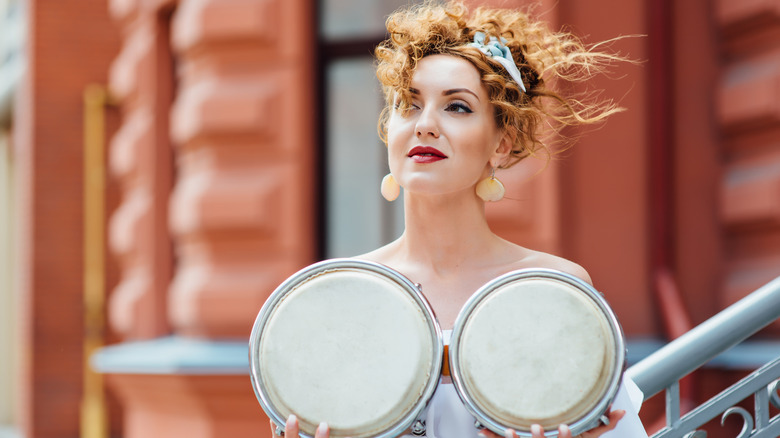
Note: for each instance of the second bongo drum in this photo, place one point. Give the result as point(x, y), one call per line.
point(537, 346)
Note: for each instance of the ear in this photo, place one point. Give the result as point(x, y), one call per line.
point(503, 149)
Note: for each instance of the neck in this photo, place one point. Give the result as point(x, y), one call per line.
point(445, 231)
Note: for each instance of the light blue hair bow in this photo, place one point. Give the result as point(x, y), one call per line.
point(500, 52)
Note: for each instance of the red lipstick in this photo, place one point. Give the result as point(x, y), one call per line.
point(426, 154)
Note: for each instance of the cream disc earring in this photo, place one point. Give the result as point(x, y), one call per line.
point(389, 188)
point(490, 188)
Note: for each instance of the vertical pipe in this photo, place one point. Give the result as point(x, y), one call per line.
point(674, 316)
point(661, 160)
point(94, 422)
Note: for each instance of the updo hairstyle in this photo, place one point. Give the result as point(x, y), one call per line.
point(543, 57)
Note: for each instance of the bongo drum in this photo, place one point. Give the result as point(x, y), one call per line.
point(537, 347)
point(348, 342)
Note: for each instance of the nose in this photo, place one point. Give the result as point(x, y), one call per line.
point(427, 124)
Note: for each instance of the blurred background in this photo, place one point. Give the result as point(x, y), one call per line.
point(165, 164)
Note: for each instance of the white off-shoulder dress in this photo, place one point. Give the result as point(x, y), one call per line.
point(447, 417)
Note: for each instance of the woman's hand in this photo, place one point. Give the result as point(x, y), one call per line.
point(563, 430)
point(291, 429)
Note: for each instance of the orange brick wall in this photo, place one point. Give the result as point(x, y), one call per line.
point(214, 157)
point(229, 127)
point(605, 210)
point(64, 55)
point(748, 115)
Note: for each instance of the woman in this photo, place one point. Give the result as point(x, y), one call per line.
point(467, 94)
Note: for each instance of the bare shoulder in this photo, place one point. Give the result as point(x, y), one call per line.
point(538, 259)
point(379, 255)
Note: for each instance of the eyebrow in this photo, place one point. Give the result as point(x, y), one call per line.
point(449, 92)
point(460, 90)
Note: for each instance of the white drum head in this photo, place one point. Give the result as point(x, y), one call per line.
point(536, 347)
point(349, 343)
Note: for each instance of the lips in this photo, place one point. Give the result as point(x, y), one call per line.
point(426, 154)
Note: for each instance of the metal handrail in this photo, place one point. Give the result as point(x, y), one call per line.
point(664, 369)
point(712, 337)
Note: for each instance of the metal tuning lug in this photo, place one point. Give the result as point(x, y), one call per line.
point(418, 428)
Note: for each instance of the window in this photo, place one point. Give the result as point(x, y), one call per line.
point(356, 217)
point(11, 70)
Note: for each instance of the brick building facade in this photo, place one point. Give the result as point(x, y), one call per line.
point(217, 136)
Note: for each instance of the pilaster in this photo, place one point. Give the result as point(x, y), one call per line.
point(140, 159)
point(242, 208)
point(215, 162)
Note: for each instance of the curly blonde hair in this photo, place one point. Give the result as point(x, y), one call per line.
point(542, 57)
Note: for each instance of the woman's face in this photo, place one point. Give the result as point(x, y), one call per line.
point(449, 140)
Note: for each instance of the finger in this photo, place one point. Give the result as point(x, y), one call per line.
point(563, 431)
point(509, 433)
point(537, 431)
point(322, 431)
point(614, 417)
point(291, 427)
point(485, 433)
point(273, 428)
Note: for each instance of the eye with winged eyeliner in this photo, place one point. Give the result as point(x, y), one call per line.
point(459, 107)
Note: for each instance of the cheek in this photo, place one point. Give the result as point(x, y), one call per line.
point(397, 132)
point(477, 142)
point(394, 143)
point(396, 124)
